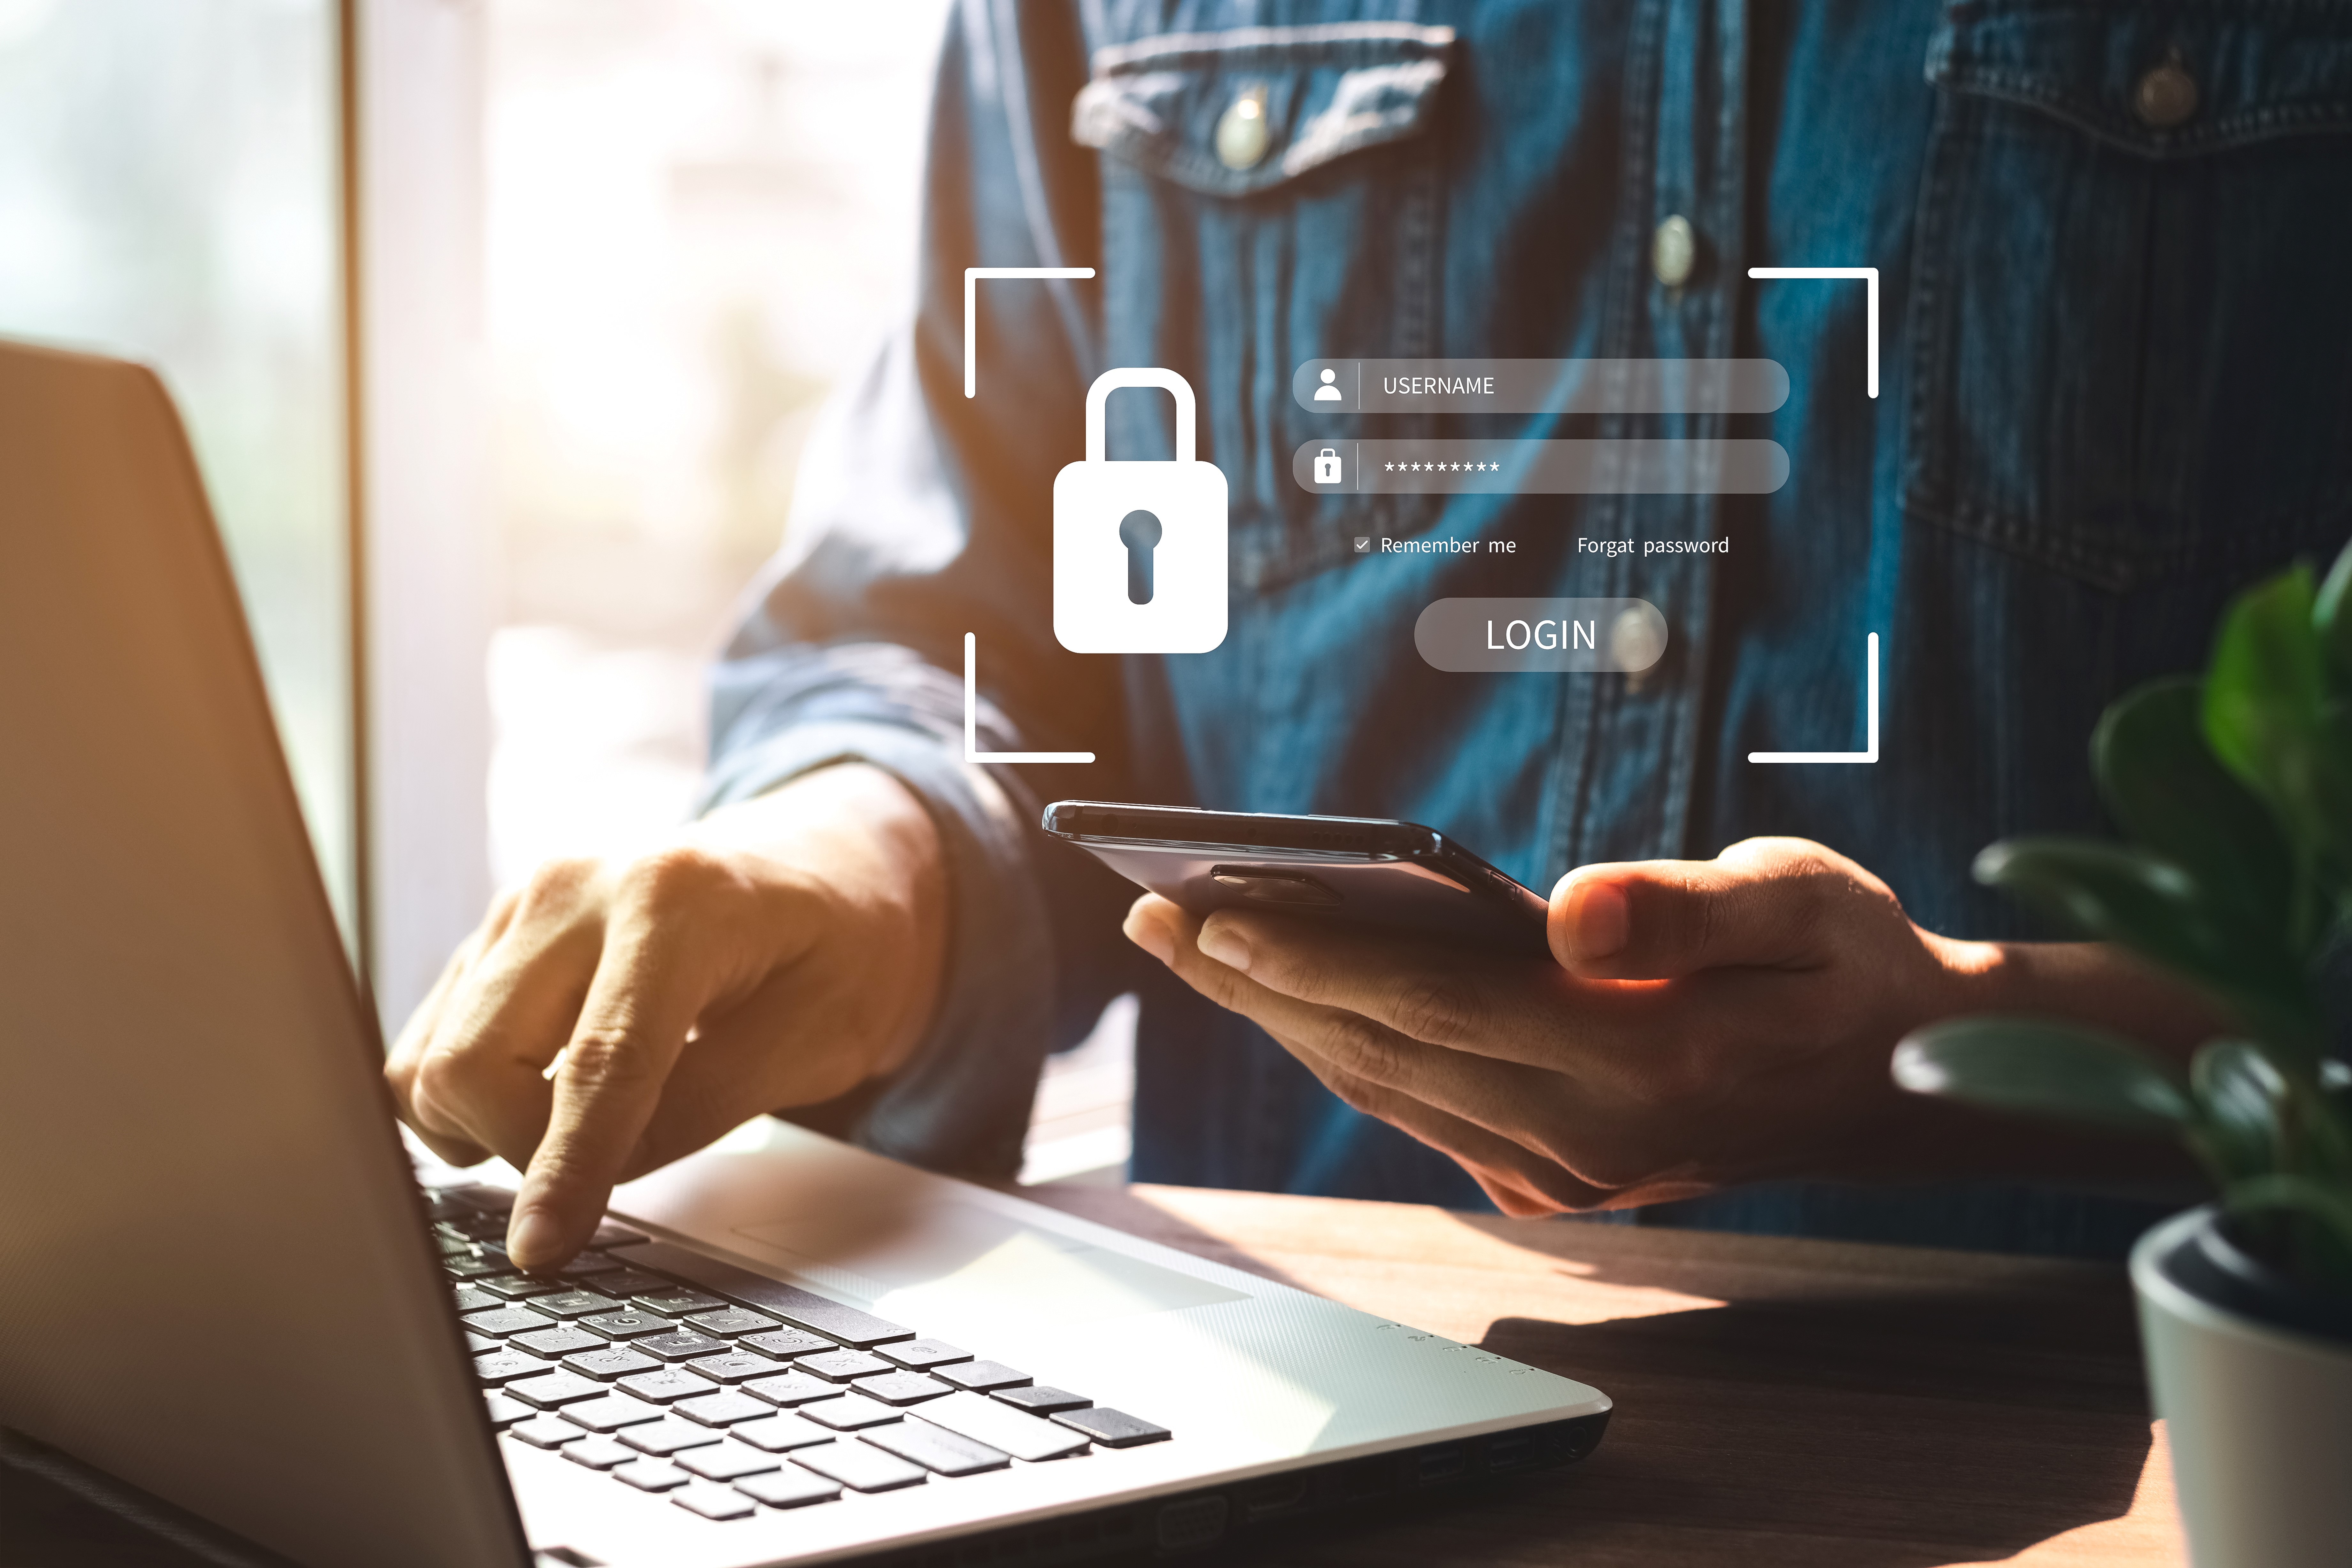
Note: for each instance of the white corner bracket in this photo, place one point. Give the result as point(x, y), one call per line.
point(972, 277)
point(971, 751)
point(1871, 273)
point(1870, 661)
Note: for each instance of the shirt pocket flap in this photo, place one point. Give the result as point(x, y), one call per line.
point(1235, 112)
point(2157, 81)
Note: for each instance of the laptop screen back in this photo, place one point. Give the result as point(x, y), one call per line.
point(215, 1280)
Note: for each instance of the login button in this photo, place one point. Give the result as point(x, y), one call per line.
point(1560, 637)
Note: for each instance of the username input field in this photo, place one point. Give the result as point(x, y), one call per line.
point(1542, 468)
point(1540, 385)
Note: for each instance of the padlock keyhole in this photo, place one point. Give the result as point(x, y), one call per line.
point(1139, 531)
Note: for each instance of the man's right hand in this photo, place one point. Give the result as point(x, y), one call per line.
point(780, 952)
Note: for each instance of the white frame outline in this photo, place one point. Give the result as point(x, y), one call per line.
point(1870, 678)
point(1869, 273)
point(971, 751)
point(972, 277)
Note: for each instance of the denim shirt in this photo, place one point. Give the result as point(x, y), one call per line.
point(2115, 362)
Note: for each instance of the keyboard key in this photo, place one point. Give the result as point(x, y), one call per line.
point(569, 1304)
point(556, 1389)
point(452, 1245)
point(1113, 1428)
point(779, 1433)
point(625, 1324)
point(980, 1376)
point(613, 1234)
point(546, 1431)
point(1041, 1401)
point(791, 1389)
point(901, 1387)
point(802, 1309)
point(676, 1303)
point(722, 1409)
point(840, 1366)
point(519, 1286)
point(726, 1461)
point(681, 1344)
point(587, 1266)
point(849, 1413)
point(936, 1449)
point(859, 1467)
point(599, 1453)
point(608, 1361)
point(736, 1366)
point(729, 1322)
point(475, 1226)
point(506, 1366)
point(501, 1322)
point(611, 1413)
point(474, 1266)
point(630, 1283)
point(712, 1501)
point(786, 1343)
point(921, 1355)
point(504, 1412)
point(1026, 1438)
point(472, 1300)
point(478, 1344)
point(651, 1474)
point(667, 1382)
point(668, 1436)
point(441, 1205)
point(789, 1488)
point(561, 1341)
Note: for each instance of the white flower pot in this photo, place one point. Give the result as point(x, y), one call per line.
point(2259, 1419)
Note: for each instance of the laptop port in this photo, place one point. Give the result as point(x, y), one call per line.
point(1442, 1463)
point(1275, 1494)
point(1510, 1451)
point(1191, 1523)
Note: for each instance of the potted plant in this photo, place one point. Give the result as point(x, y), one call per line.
point(2235, 793)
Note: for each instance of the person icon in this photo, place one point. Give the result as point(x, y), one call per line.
point(1327, 392)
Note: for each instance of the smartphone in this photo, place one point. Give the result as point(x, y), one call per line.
point(1358, 870)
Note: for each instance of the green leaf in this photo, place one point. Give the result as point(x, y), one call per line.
point(2331, 617)
point(2238, 1094)
point(2329, 1204)
point(2264, 695)
point(2164, 790)
point(2151, 906)
point(2046, 1069)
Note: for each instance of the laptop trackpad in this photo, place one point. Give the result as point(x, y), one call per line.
point(914, 1261)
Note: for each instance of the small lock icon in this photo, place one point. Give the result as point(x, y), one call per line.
point(1140, 547)
point(1327, 466)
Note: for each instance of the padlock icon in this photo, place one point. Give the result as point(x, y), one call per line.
point(1140, 547)
point(1327, 466)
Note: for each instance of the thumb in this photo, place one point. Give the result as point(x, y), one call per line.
point(1760, 903)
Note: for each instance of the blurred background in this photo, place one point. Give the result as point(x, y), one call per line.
point(500, 326)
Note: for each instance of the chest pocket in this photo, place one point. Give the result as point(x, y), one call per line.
point(2131, 321)
point(1269, 196)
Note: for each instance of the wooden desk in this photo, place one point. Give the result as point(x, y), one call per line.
point(1779, 1403)
point(1798, 1403)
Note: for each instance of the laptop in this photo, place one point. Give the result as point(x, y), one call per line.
point(222, 1282)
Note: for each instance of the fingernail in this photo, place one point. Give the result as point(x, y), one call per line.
point(535, 1239)
point(1227, 946)
point(1599, 920)
point(1150, 934)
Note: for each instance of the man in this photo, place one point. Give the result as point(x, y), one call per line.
point(2109, 350)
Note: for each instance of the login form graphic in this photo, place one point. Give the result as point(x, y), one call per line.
point(1140, 547)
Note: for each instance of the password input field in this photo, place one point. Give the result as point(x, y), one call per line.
point(1542, 468)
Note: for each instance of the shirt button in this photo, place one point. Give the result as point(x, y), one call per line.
point(2166, 96)
point(1242, 135)
point(1673, 251)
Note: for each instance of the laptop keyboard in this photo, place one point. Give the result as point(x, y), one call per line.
point(730, 1392)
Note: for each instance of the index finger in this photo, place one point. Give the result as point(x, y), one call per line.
point(645, 995)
